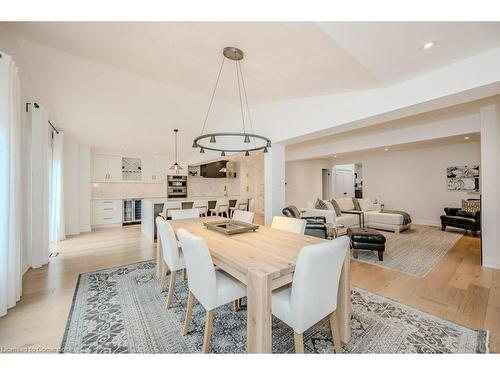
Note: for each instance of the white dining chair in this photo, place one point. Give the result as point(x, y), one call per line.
point(313, 293)
point(192, 213)
point(202, 206)
point(168, 207)
point(221, 207)
point(171, 255)
point(289, 224)
point(211, 287)
point(245, 216)
point(241, 204)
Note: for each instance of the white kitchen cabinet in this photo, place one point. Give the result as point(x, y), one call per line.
point(115, 168)
point(153, 170)
point(106, 168)
point(99, 168)
point(107, 212)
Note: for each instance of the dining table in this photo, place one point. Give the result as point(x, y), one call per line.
point(263, 260)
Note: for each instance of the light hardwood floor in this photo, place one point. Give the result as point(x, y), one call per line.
point(458, 289)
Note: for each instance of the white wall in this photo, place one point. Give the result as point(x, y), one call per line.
point(304, 181)
point(84, 188)
point(411, 180)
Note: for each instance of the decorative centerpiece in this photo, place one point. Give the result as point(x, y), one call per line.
point(230, 227)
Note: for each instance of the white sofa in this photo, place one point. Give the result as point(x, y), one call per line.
point(373, 218)
point(381, 220)
point(347, 220)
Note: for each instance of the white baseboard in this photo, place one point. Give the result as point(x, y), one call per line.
point(85, 229)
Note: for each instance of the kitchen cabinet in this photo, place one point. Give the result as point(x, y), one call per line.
point(107, 212)
point(153, 170)
point(106, 168)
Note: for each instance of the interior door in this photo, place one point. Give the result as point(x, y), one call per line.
point(344, 183)
point(325, 184)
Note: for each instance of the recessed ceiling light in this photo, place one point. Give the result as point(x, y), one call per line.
point(154, 152)
point(466, 138)
point(428, 45)
point(335, 156)
point(124, 149)
point(386, 149)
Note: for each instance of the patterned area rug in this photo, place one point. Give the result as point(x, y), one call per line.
point(415, 251)
point(120, 310)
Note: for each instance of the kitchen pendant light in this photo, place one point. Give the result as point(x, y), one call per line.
point(176, 167)
point(246, 141)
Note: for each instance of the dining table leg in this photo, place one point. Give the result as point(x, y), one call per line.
point(344, 307)
point(259, 313)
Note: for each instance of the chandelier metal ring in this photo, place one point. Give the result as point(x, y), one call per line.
point(196, 142)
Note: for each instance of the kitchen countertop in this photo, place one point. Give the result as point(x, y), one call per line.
point(162, 199)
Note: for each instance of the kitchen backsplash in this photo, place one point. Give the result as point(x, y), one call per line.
point(213, 187)
point(128, 190)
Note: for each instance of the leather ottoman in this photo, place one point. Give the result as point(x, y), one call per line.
point(366, 239)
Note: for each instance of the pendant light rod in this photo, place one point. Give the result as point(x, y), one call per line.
point(213, 94)
point(239, 94)
point(176, 165)
point(175, 131)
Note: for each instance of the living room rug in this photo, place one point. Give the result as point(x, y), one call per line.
point(120, 310)
point(415, 251)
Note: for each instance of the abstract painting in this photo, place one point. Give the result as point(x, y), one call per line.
point(463, 178)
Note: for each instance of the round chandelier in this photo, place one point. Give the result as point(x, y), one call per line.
point(232, 142)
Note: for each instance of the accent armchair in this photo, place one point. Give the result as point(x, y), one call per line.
point(457, 218)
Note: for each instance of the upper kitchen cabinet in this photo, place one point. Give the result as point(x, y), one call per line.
point(106, 168)
point(153, 170)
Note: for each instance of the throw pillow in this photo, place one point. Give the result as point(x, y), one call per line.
point(471, 206)
point(329, 204)
point(356, 204)
point(320, 205)
point(345, 204)
point(336, 207)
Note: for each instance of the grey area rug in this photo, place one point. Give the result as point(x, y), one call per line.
point(415, 251)
point(120, 310)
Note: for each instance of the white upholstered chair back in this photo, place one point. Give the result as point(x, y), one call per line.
point(315, 282)
point(169, 245)
point(245, 216)
point(200, 268)
point(289, 224)
point(192, 213)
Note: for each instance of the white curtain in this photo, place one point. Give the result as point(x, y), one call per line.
point(11, 213)
point(56, 209)
point(39, 252)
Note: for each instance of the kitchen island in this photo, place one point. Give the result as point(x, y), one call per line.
point(152, 207)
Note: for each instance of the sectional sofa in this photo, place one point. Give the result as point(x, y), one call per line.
point(372, 215)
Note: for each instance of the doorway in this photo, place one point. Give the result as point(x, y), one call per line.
point(325, 183)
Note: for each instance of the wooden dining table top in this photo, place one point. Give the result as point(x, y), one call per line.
point(269, 251)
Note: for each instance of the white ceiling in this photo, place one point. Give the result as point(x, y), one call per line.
point(127, 85)
point(282, 60)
